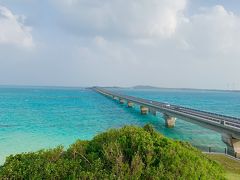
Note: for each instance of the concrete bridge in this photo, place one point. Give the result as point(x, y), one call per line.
point(228, 126)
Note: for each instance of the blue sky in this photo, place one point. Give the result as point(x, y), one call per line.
point(167, 43)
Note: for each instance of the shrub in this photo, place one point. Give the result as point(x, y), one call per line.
point(126, 153)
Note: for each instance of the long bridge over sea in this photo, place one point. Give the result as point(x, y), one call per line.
point(228, 126)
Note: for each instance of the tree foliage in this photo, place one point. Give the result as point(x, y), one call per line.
point(126, 153)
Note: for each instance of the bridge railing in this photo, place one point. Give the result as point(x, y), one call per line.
point(217, 150)
point(230, 118)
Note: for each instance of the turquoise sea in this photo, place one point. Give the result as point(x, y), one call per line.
point(32, 118)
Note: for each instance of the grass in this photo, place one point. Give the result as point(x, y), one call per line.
point(231, 166)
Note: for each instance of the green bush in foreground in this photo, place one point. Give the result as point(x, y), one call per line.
point(126, 153)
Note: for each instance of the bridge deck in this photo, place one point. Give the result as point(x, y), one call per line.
point(225, 122)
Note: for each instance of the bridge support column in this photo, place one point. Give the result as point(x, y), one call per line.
point(144, 110)
point(121, 101)
point(169, 121)
point(130, 104)
point(233, 145)
point(153, 111)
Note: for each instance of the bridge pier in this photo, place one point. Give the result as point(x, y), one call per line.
point(153, 111)
point(169, 121)
point(130, 104)
point(233, 144)
point(121, 101)
point(144, 110)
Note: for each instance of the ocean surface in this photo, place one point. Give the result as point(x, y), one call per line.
point(33, 118)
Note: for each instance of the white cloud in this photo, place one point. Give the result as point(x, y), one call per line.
point(148, 22)
point(151, 18)
point(13, 30)
point(211, 32)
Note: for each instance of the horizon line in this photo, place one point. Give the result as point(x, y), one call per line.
point(115, 86)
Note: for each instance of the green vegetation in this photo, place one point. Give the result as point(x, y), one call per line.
point(231, 166)
point(126, 153)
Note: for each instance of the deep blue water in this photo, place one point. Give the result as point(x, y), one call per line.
point(36, 118)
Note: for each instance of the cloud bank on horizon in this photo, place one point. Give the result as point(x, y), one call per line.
point(167, 43)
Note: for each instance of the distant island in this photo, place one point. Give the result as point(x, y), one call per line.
point(191, 89)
